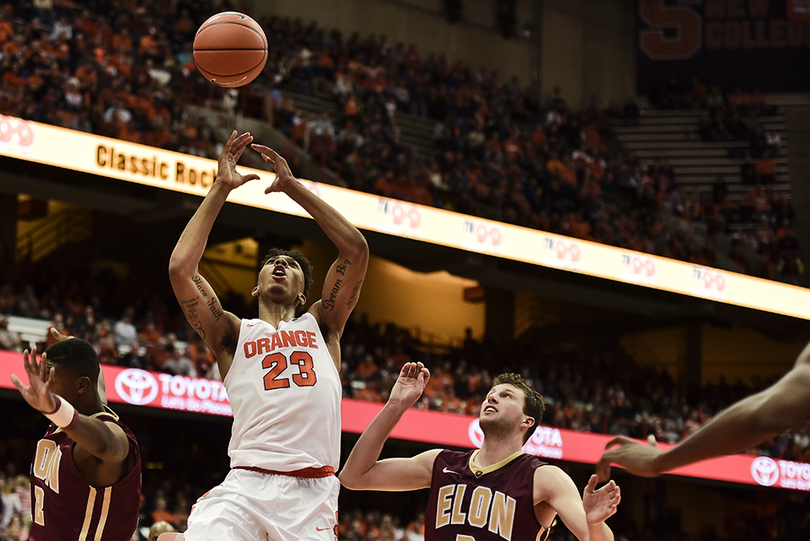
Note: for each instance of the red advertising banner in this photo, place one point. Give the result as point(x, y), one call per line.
point(198, 395)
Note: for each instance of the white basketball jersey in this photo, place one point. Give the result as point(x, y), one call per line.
point(285, 393)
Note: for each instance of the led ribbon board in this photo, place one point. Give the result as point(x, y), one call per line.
point(130, 162)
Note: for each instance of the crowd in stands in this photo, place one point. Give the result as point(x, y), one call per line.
point(502, 152)
point(15, 505)
point(765, 243)
point(617, 400)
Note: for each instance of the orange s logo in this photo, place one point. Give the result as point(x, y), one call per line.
point(687, 24)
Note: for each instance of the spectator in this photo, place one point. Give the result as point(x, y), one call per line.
point(766, 169)
point(9, 340)
point(22, 488)
point(12, 505)
point(177, 363)
point(748, 170)
point(124, 332)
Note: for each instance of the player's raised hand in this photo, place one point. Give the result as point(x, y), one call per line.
point(38, 393)
point(410, 384)
point(636, 458)
point(284, 176)
point(226, 167)
point(602, 503)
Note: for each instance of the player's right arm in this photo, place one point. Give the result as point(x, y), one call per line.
point(363, 470)
point(218, 329)
point(740, 426)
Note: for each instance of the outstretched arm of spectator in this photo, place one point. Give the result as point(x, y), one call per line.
point(200, 304)
point(738, 427)
point(363, 470)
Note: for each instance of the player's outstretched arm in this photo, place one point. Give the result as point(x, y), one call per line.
point(105, 441)
point(197, 298)
point(740, 426)
point(341, 288)
point(585, 516)
point(363, 470)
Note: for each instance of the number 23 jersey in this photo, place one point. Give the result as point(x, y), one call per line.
point(285, 393)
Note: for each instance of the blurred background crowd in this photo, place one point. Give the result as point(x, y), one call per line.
point(501, 153)
point(498, 151)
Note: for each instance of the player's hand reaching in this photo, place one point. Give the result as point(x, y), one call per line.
point(410, 384)
point(284, 177)
point(226, 167)
point(636, 458)
point(602, 503)
point(38, 394)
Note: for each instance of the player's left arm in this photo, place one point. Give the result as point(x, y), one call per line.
point(341, 287)
point(584, 517)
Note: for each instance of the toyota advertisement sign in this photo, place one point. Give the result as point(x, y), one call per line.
point(203, 396)
point(141, 388)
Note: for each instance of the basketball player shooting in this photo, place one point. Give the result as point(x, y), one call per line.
point(280, 369)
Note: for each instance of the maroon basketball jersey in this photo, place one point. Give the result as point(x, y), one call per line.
point(65, 508)
point(482, 504)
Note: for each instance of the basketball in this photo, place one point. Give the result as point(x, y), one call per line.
point(230, 49)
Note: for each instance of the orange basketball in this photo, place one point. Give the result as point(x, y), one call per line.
point(230, 49)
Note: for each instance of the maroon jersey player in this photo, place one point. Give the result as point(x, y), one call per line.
point(86, 473)
point(493, 493)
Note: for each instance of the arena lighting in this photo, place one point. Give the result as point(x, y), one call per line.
point(197, 395)
point(130, 162)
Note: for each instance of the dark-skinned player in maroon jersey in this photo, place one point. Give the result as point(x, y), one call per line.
point(493, 494)
point(86, 473)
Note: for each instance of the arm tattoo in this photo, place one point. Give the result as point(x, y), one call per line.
point(355, 295)
point(329, 303)
point(215, 308)
point(198, 281)
point(190, 309)
point(341, 268)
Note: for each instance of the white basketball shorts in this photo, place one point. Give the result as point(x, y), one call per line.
point(252, 506)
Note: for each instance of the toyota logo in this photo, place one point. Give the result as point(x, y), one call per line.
point(136, 386)
point(764, 471)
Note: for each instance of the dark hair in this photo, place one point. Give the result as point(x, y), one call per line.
point(303, 262)
point(533, 404)
point(78, 356)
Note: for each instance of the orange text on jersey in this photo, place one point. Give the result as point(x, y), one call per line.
point(279, 340)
